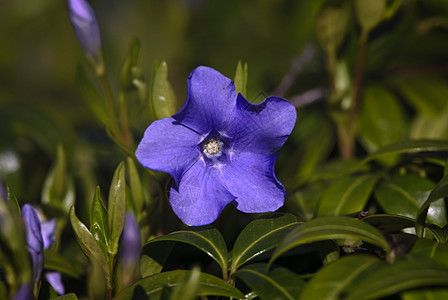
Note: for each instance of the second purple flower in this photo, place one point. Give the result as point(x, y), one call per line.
point(219, 148)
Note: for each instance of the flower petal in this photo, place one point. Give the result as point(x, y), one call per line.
point(169, 147)
point(261, 128)
point(211, 99)
point(48, 229)
point(54, 278)
point(201, 196)
point(34, 243)
point(250, 177)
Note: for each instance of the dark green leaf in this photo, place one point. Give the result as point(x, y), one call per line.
point(280, 283)
point(347, 195)
point(130, 71)
point(431, 249)
point(382, 119)
point(98, 222)
point(331, 227)
point(333, 280)
point(260, 236)
point(56, 262)
point(116, 207)
point(153, 285)
point(413, 273)
point(440, 191)
point(135, 186)
point(154, 256)
point(389, 223)
point(70, 296)
point(208, 239)
point(188, 287)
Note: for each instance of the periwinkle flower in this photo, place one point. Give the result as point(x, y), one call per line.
point(40, 236)
point(85, 25)
point(130, 248)
point(219, 148)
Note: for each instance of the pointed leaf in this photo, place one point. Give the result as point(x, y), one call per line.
point(162, 98)
point(98, 222)
point(389, 223)
point(70, 296)
point(333, 280)
point(431, 249)
point(413, 273)
point(331, 227)
point(135, 186)
point(241, 78)
point(154, 256)
point(440, 191)
point(207, 239)
point(116, 207)
point(88, 244)
point(347, 195)
point(150, 287)
point(260, 236)
point(280, 283)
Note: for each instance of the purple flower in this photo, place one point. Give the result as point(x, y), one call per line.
point(220, 149)
point(40, 236)
point(85, 25)
point(131, 241)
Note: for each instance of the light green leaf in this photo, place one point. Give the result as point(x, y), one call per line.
point(425, 294)
point(135, 186)
point(188, 287)
point(440, 191)
point(241, 78)
point(416, 272)
point(334, 280)
point(331, 228)
point(370, 13)
point(116, 207)
point(260, 236)
point(88, 244)
point(151, 287)
point(280, 283)
point(162, 99)
point(98, 221)
point(347, 195)
point(71, 296)
point(207, 239)
point(432, 249)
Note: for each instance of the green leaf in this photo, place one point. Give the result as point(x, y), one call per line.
point(130, 71)
point(162, 100)
point(280, 283)
point(188, 287)
point(135, 186)
point(70, 296)
point(389, 223)
point(56, 262)
point(440, 191)
point(98, 222)
point(334, 280)
point(241, 78)
point(429, 126)
point(425, 294)
point(370, 13)
point(409, 147)
point(150, 287)
point(382, 119)
point(432, 249)
point(413, 273)
point(347, 195)
point(207, 239)
point(331, 227)
point(260, 236)
point(88, 244)
point(116, 207)
point(153, 257)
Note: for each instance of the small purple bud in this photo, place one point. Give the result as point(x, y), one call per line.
point(54, 278)
point(25, 292)
point(34, 242)
point(48, 229)
point(131, 241)
point(85, 25)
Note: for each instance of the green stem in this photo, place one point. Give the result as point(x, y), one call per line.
point(126, 133)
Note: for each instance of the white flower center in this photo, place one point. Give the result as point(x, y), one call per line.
point(212, 148)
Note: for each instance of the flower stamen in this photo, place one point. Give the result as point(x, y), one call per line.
point(212, 148)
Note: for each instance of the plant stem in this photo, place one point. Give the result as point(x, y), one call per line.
point(126, 133)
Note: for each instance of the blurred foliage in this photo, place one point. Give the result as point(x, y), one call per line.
point(365, 168)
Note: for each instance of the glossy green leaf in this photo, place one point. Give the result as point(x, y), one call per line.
point(162, 99)
point(413, 273)
point(280, 283)
point(432, 249)
point(116, 207)
point(440, 191)
point(405, 194)
point(409, 147)
point(153, 257)
point(334, 280)
point(347, 195)
point(88, 244)
point(331, 227)
point(207, 239)
point(151, 287)
point(71, 296)
point(260, 236)
point(425, 294)
point(135, 186)
point(389, 223)
point(98, 222)
point(241, 78)
point(382, 119)
point(188, 287)
point(304, 202)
